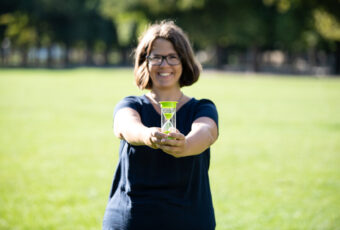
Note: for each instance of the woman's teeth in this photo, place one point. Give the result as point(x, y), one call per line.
point(164, 74)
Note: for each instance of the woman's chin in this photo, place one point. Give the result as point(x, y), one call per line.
point(166, 84)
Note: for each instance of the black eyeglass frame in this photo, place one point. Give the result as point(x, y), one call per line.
point(149, 58)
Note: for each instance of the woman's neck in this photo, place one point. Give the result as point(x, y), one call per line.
point(170, 95)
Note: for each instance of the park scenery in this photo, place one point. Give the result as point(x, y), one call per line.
point(274, 166)
point(271, 67)
point(281, 36)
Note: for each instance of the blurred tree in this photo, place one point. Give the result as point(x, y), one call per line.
point(245, 24)
point(298, 15)
point(59, 18)
point(329, 28)
point(77, 22)
point(18, 27)
point(225, 23)
point(130, 19)
point(65, 22)
point(6, 7)
point(21, 32)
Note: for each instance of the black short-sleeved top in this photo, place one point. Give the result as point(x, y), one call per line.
point(154, 190)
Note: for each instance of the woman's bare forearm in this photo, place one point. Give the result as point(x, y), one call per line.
point(128, 126)
point(203, 134)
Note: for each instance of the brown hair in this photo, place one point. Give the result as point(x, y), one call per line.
point(169, 31)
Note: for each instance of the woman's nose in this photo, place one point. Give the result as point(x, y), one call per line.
point(164, 62)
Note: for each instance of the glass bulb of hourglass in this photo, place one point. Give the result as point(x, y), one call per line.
point(167, 127)
point(168, 116)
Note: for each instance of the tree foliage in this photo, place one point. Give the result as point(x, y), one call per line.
point(290, 25)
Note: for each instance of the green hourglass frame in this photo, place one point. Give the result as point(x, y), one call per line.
point(168, 116)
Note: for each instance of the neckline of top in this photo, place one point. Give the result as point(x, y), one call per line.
point(149, 102)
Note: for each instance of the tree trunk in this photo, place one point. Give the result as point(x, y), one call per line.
point(49, 56)
point(24, 52)
point(106, 57)
point(6, 51)
point(290, 62)
point(89, 58)
point(337, 59)
point(311, 57)
point(2, 55)
point(255, 58)
point(124, 56)
point(221, 56)
point(66, 57)
point(36, 58)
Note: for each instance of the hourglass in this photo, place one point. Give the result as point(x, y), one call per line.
point(168, 114)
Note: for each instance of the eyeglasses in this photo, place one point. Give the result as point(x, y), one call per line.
point(158, 60)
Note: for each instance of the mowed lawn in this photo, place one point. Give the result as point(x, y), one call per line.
point(276, 164)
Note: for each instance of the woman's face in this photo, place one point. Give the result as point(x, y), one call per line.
point(164, 76)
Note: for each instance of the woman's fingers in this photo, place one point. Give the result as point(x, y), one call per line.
point(160, 135)
point(156, 138)
point(172, 143)
point(174, 139)
point(168, 142)
point(174, 151)
point(177, 136)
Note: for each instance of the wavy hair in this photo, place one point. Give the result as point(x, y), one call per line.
point(171, 32)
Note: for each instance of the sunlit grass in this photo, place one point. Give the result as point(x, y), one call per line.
point(275, 165)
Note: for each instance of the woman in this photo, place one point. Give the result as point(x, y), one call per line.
point(162, 183)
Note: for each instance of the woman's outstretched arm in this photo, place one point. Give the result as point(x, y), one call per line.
point(127, 125)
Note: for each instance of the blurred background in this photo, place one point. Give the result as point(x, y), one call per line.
point(277, 92)
point(278, 36)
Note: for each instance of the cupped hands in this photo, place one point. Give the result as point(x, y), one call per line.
point(173, 143)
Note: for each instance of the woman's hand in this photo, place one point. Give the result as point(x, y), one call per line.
point(176, 145)
point(153, 137)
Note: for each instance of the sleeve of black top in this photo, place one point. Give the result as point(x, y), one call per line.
point(206, 108)
point(132, 102)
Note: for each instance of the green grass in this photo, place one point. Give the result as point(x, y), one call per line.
point(276, 164)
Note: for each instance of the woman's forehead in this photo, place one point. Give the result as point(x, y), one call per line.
point(161, 45)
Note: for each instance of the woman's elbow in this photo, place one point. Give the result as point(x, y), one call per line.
point(117, 132)
point(213, 136)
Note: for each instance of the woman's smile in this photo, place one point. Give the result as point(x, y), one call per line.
point(164, 75)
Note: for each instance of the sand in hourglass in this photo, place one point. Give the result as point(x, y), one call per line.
point(167, 125)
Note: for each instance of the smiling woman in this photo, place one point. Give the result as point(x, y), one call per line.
point(162, 74)
point(177, 48)
point(161, 181)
